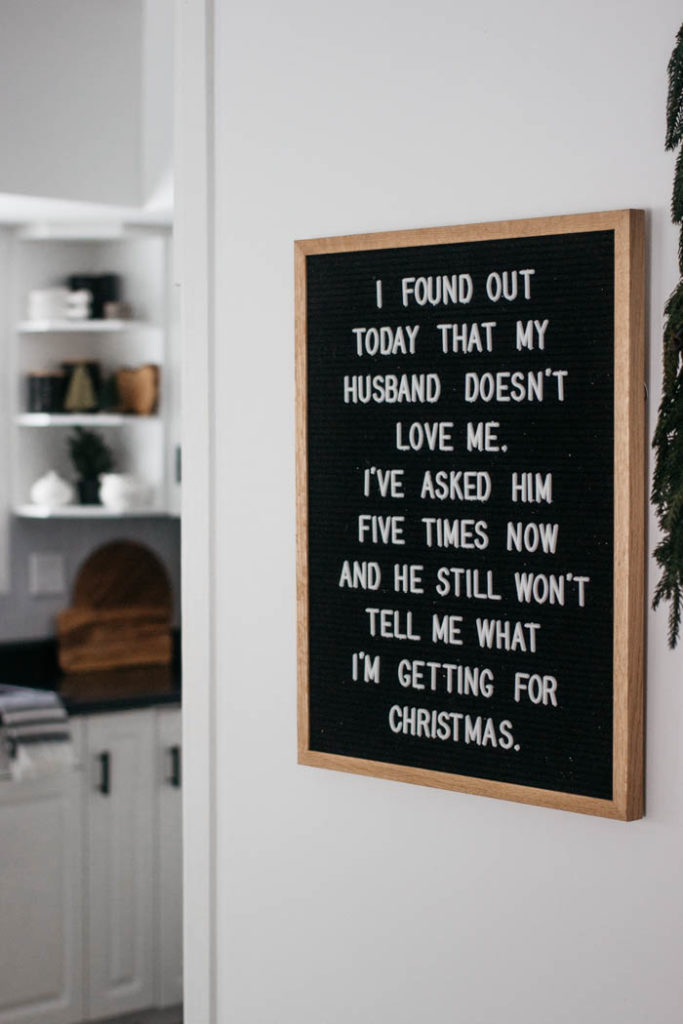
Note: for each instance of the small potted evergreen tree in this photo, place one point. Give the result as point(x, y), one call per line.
point(91, 456)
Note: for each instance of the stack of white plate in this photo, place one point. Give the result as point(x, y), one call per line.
point(48, 304)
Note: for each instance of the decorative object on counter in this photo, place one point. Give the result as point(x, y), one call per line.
point(79, 304)
point(91, 456)
point(138, 389)
point(667, 483)
point(121, 613)
point(52, 491)
point(46, 390)
point(35, 733)
point(83, 383)
point(48, 304)
point(121, 492)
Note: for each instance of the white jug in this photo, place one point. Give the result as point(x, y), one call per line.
point(120, 491)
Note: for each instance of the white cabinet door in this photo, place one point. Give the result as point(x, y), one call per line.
point(120, 825)
point(169, 877)
point(41, 905)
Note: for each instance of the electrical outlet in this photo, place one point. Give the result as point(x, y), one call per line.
point(45, 573)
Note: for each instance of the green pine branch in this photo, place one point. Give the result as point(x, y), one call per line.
point(677, 197)
point(667, 481)
point(674, 106)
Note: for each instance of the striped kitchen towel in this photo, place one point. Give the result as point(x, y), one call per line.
point(35, 732)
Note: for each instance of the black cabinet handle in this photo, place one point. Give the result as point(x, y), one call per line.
point(175, 777)
point(104, 786)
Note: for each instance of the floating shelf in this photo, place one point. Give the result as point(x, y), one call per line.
point(86, 512)
point(88, 231)
point(144, 446)
point(80, 419)
point(80, 326)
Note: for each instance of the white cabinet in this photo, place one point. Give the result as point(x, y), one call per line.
point(41, 900)
point(120, 862)
point(90, 877)
point(169, 878)
point(144, 445)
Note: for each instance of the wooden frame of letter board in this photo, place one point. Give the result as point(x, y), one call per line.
point(629, 508)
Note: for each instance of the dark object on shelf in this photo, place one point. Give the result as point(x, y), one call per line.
point(82, 386)
point(90, 455)
point(81, 282)
point(109, 394)
point(667, 483)
point(46, 391)
point(108, 290)
point(103, 287)
point(89, 490)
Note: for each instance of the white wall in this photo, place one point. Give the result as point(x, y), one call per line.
point(343, 899)
point(85, 100)
point(70, 88)
point(156, 106)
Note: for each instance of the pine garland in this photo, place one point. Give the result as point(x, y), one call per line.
point(667, 484)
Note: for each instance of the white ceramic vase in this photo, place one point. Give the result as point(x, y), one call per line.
point(120, 491)
point(52, 491)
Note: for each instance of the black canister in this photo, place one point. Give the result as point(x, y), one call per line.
point(46, 391)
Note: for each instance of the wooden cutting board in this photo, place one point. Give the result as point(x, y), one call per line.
point(122, 574)
point(121, 614)
point(93, 639)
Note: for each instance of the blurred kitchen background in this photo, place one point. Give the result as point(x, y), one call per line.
point(90, 477)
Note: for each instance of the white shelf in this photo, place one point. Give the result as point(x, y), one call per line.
point(80, 419)
point(85, 512)
point(88, 231)
point(79, 326)
point(42, 255)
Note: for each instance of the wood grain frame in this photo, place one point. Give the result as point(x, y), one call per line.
point(627, 801)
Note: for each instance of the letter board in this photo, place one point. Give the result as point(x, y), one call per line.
point(470, 497)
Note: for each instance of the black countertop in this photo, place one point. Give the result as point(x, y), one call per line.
point(34, 663)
